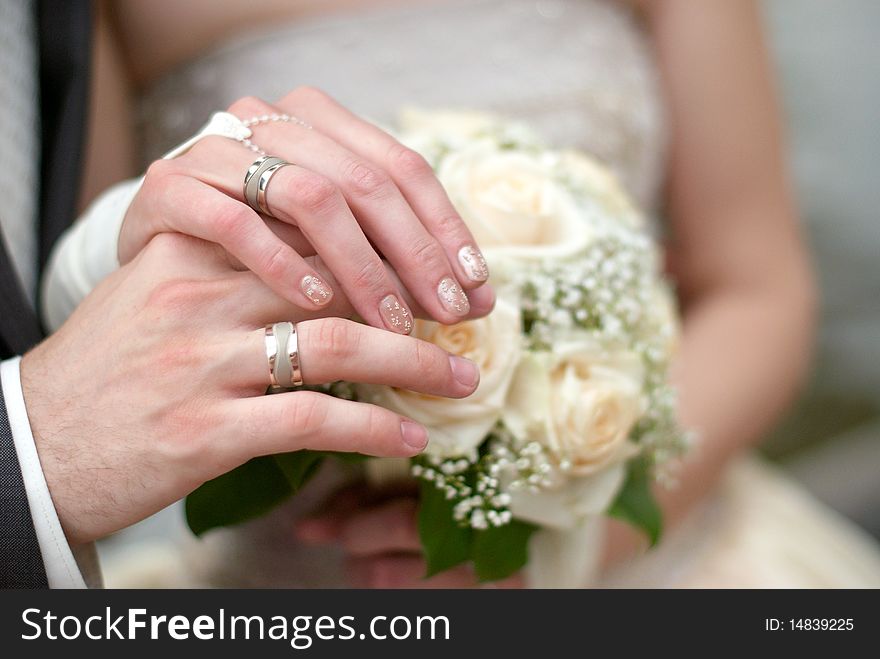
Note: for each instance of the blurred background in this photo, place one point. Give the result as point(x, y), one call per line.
point(828, 65)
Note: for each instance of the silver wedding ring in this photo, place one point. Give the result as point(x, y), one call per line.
point(282, 354)
point(256, 181)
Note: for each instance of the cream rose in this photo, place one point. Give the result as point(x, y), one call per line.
point(457, 427)
point(580, 402)
point(457, 129)
point(600, 186)
point(513, 204)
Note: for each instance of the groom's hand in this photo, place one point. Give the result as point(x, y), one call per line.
point(155, 385)
point(354, 196)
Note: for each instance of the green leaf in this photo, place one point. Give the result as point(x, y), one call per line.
point(299, 466)
point(500, 551)
point(636, 504)
point(246, 492)
point(445, 543)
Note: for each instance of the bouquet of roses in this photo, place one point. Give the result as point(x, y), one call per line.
point(574, 412)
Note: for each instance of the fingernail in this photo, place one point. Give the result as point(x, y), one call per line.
point(464, 370)
point(396, 316)
point(473, 263)
point(452, 297)
point(314, 288)
point(414, 435)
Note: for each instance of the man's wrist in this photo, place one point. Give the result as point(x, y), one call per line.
point(61, 567)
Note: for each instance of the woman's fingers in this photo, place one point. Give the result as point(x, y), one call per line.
point(298, 420)
point(387, 528)
point(316, 206)
point(404, 571)
point(261, 305)
point(189, 206)
point(382, 213)
point(382, 210)
point(331, 349)
point(409, 171)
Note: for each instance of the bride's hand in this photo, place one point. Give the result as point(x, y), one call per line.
point(381, 541)
point(353, 193)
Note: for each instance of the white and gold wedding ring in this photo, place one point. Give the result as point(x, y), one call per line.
point(256, 180)
point(296, 378)
point(276, 338)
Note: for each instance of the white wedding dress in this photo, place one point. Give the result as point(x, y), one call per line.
point(581, 72)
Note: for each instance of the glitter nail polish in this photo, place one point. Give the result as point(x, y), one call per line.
point(314, 288)
point(473, 263)
point(396, 316)
point(452, 297)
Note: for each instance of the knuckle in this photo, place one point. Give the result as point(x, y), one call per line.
point(427, 254)
point(364, 180)
point(426, 358)
point(308, 93)
point(177, 355)
point(158, 175)
point(375, 426)
point(187, 432)
point(230, 221)
point(174, 296)
point(307, 414)
point(369, 275)
point(276, 262)
point(337, 339)
point(408, 164)
point(249, 105)
point(315, 193)
point(168, 245)
point(449, 224)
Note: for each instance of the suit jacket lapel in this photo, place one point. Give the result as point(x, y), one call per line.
point(65, 28)
point(19, 327)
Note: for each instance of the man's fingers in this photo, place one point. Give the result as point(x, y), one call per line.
point(331, 349)
point(298, 420)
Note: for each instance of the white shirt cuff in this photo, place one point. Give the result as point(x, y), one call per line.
point(61, 568)
point(86, 253)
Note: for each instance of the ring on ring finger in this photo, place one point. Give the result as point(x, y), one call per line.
point(282, 354)
point(256, 181)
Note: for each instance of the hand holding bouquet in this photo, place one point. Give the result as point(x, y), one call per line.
point(574, 412)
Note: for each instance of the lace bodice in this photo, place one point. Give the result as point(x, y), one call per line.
point(579, 71)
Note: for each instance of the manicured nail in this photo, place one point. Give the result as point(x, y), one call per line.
point(452, 297)
point(464, 370)
point(414, 435)
point(396, 316)
point(314, 288)
point(473, 263)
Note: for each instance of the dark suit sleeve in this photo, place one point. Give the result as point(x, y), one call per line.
point(21, 562)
